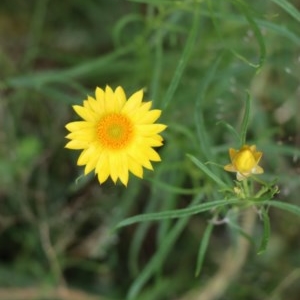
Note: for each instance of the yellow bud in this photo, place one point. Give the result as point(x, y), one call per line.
point(244, 161)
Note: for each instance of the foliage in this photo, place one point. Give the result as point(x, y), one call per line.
point(224, 73)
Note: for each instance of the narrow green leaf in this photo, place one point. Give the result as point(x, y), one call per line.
point(207, 171)
point(282, 150)
point(202, 133)
point(122, 23)
point(245, 122)
point(174, 189)
point(139, 236)
point(38, 19)
point(276, 28)
point(40, 78)
point(157, 68)
point(203, 247)
point(153, 2)
point(176, 213)
point(280, 30)
point(230, 128)
point(157, 259)
point(266, 232)
point(218, 27)
point(183, 59)
point(292, 208)
point(246, 11)
point(239, 229)
point(289, 8)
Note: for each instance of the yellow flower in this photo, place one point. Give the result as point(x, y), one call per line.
point(116, 135)
point(244, 162)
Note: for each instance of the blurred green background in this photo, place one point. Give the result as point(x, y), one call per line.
point(196, 60)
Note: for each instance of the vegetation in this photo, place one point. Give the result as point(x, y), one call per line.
point(224, 74)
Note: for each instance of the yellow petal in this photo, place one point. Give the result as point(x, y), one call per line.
point(102, 176)
point(121, 165)
point(150, 129)
point(99, 94)
point(86, 135)
point(78, 125)
point(152, 141)
point(257, 156)
point(133, 103)
point(232, 153)
point(102, 167)
point(113, 166)
point(135, 168)
point(149, 117)
point(145, 106)
point(230, 168)
point(150, 153)
point(92, 162)
point(100, 98)
point(86, 155)
point(77, 145)
point(120, 96)
point(140, 157)
point(82, 160)
point(95, 105)
point(85, 113)
point(110, 100)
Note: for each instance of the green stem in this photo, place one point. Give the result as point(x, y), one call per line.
point(246, 188)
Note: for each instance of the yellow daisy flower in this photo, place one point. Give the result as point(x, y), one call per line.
point(244, 162)
point(116, 135)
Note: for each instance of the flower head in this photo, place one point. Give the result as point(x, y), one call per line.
point(116, 135)
point(244, 162)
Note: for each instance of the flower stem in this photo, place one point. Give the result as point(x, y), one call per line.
point(246, 188)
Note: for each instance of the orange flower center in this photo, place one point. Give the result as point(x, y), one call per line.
point(244, 161)
point(115, 131)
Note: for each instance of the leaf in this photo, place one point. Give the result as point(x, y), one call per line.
point(280, 30)
point(183, 59)
point(207, 171)
point(202, 133)
point(174, 189)
point(245, 120)
point(39, 79)
point(292, 208)
point(266, 232)
point(176, 213)
point(157, 259)
point(239, 229)
point(203, 247)
point(227, 45)
point(230, 128)
point(246, 11)
point(289, 8)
